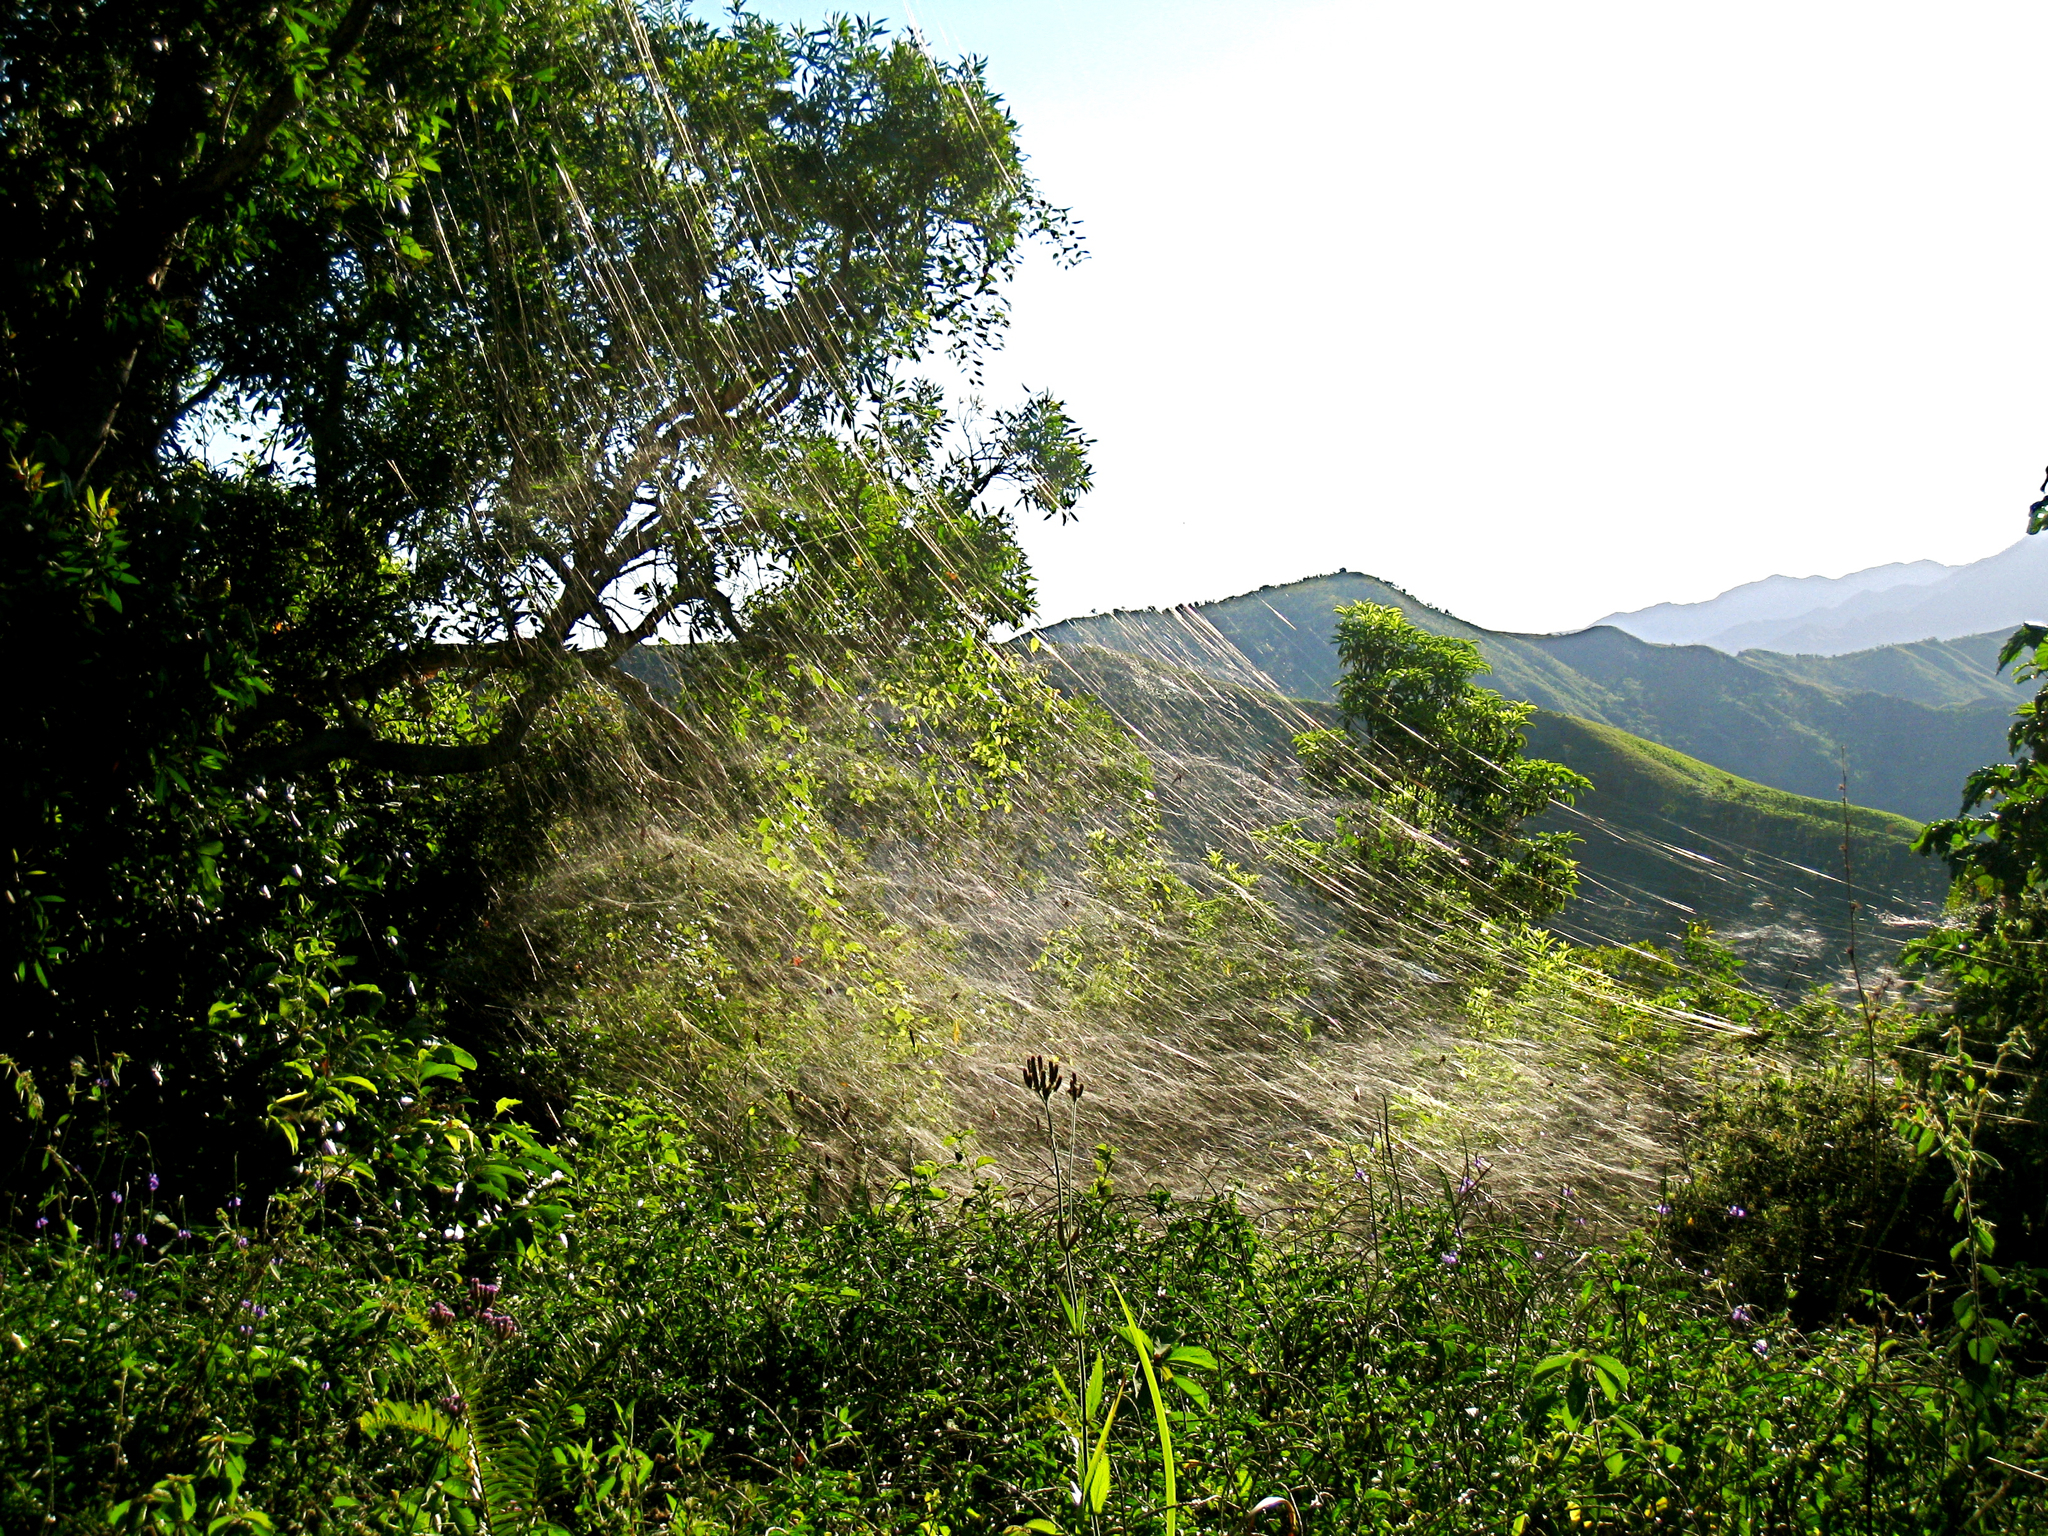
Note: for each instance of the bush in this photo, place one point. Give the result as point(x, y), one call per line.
point(1801, 1194)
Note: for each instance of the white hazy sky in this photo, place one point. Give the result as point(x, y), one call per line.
point(1539, 311)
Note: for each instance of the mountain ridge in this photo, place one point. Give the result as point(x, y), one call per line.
point(1784, 721)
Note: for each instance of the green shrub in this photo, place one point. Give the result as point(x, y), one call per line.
point(699, 1350)
point(1801, 1194)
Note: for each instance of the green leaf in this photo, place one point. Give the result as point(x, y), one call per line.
point(1550, 1367)
point(1143, 1346)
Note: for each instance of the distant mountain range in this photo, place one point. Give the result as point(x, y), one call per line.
point(1836, 615)
point(1912, 721)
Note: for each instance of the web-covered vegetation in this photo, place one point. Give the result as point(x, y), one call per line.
point(531, 881)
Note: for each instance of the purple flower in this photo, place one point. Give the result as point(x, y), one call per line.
point(1663, 1208)
point(1467, 1184)
point(152, 1183)
point(1737, 1212)
point(1450, 1260)
point(484, 1291)
point(1742, 1317)
point(115, 1196)
point(1761, 1350)
point(42, 1222)
point(1539, 1253)
point(235, 1204)
point(500, 1324)
point(440, 1314)
point(184, 1236)
point(117, 1239)
point(127, 1295)
point(241, 1242)
point(142, 1240)
point(452, 1404)
point(246, 1331)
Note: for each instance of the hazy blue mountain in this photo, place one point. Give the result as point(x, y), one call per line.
point(1886, 605)
point(1775, 599)
point(1912, 726)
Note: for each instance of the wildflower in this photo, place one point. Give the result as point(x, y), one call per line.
point(1450, 1260)
point(1539, 1253)
point(246, 1331)
point(42, 1222)
point(483, 1292)
point(1736, 1212)
point(152, 1183)
point(235, 1203)
point(184, 1236)
point(452, 1404)
point(500, 1324)
point(127, 1295)
point(440, 1314)
point(1663, 1208)
point(117, 1239)
point(115, 1196)
point(1761, 1350)
point(1742, 1317)
point(142, 1239)
point(1467, 1184)
point(241, 1242)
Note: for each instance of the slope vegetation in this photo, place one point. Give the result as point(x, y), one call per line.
point(1666, 839)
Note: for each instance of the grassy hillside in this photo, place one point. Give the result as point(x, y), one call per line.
point(1935, 672)
point(1787, 723)
point(1667, 838)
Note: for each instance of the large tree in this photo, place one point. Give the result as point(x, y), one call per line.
point(549, 327)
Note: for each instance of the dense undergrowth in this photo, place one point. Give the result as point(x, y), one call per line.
point(696, 1346)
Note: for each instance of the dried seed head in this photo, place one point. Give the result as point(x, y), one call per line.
point(1042, 1077)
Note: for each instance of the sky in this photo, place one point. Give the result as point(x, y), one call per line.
point(1540, 312)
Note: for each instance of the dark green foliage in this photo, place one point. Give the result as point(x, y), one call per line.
point(711, 1352)
point(1801, 1194)
point(368, 244)
point(1991, 955)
